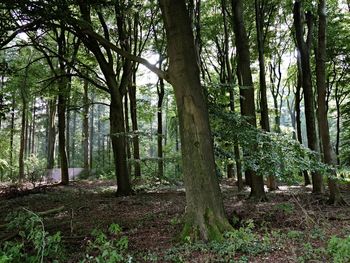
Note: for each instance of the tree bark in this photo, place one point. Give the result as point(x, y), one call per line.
point(85, 130)
point(12, 133)
point(246, 88)
point(160, 92)
point(117, 123)
point(328, 153)
point(304, 49)
point(22, 140)
point(62, 132)
point(298, 99)
point(205, 216)
point(135, 140)
point(51, 133)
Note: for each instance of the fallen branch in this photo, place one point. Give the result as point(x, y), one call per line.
point(51, 211)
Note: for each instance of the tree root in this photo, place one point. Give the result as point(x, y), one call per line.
point(207, 227)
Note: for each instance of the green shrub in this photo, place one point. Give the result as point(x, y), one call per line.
point(36, 244)
point(108, 249)
point(339, 249)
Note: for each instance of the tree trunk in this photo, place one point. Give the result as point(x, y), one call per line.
point(92, 132)
point(259, 16)
point(22, 141)
point(328, 154)
point(230, 82)
point(32, 149)
point(160, 92)
point(135, 140)
point(62, 132)
point(265, 125)
point(298, 99)
point(127, 129)
point(12, 133)
point(85, 134)
point(247, 88)
point(119, 141)
point(51, 133)
point(205, 216)
point(304, 49)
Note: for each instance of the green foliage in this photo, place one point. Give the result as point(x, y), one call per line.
point(36, 245)
point(339, 249)
point(266, 153)
point(286, 208)
point(35, 169)
point(108, 249)
point(309, 252)
point(237, 244)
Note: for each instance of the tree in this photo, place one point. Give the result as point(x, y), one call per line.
point(328, 153)
point(304, 49)
point(205, 215)
point(246, 88)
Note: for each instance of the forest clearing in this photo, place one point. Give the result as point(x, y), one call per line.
point(174, 131)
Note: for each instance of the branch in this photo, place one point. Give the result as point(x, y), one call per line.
point(160, 73)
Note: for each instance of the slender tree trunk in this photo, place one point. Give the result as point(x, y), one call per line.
point(22, 140)
point(33, 129)
point(68, 123)
point(328, 154)
point(92, 131)
point(230, 81)
point(304, 49)
point(337, 140)
point(12, 133)
point(160, 92)
point(127, 129)
point(205, 216)
point(86, 128)
point(72, 150)
point(135, 140)
point(265, 125)
point(247, 88)
point(62, 132)
point(51, 133)
point(259, 16)
point(298, 99)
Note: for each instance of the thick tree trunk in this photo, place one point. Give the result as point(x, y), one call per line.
point(51, 133)
point(304, 49)
point(247, 88)
point(119, 141)
point(328, 154)
point(205, 216)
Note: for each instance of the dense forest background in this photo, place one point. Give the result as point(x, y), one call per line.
point(185, 93)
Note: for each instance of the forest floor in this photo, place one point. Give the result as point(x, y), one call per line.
point(294, 226)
